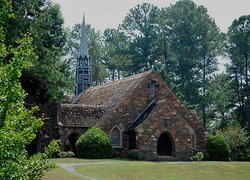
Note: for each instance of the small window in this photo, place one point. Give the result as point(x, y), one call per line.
point(115, 137)
point(80, 71)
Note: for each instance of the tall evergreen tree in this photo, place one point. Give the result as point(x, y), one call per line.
point(116, 58)
point(239, 54)
point(220, 106)
point(195, 43)
point(140, 26)
point(42, 20)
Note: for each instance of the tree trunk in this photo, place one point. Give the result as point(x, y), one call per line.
point(113, 74)
point(238, 93)
point(203, 98)
point(119, 74)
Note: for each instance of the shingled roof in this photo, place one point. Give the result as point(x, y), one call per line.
point(112, 93)
point(87, 109)
point(77, 115)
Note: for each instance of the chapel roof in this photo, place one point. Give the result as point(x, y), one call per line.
point(89, 107)
point(112, 93)
point(80, 115)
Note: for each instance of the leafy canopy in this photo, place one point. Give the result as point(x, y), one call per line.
point(18, 126)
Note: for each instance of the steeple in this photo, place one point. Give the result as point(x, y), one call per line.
point(83, 69)
point(83, 51)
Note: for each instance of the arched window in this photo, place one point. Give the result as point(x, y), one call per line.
point(115, 137)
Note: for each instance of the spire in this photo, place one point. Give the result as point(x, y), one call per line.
point(83, 69)
point(83, 51)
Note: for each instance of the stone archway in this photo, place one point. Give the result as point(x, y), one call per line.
point(71, 141)
point(165, 145)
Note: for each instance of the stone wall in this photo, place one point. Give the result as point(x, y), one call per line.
point(65, 133)
point(168, 116)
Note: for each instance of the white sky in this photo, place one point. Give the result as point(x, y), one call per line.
point(102, 14)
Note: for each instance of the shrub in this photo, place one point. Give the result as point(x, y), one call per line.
point(132, 154)
point(237, 139)
point(198, 157)
point(218, 148)
point(62, 154)
point(94, 144)
point(70, 154)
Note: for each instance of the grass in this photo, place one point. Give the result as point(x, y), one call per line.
point(60, 174)
point(125, 169)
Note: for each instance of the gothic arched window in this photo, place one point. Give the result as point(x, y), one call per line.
point(115, 137)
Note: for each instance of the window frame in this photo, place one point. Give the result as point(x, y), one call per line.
point(120, 137)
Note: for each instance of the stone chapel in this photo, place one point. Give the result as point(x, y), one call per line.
point(138, 113)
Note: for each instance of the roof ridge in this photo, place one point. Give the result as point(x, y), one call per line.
point(111, 94)
point(139, 75)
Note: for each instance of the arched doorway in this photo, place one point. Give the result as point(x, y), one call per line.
point(71, 141)
point(165, 145)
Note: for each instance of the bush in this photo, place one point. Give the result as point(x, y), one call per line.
point(132, 154)
point(94, 144)
point(62, 154)
point(218, 148)
point(70, 154)
point(237, 139)
point(198, 157)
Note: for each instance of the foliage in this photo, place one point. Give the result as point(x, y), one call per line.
point(236, 137)
point(94, 143)
point(139, 26)
point(46, 81)
point(218, 148)
point(62, 154)
point(194, 43)
point(133, 154)
point(99, 72)
point(238, 48)
point(68, 154)
point(18, 126)
point(116, 59)
point(219, 111)
point(198, 157)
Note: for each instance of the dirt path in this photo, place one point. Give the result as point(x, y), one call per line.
point(70, 168)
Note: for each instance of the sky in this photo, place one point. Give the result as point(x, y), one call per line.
point(103, 14)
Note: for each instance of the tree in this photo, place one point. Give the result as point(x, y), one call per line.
point(18, 126)
point(220, 108)
point(47, 79)
point(116, 56)
point(96, 49)
point(239, 53)
point(236, 137)
point(140, 25)
point(195, 43)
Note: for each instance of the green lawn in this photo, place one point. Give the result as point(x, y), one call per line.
point(125, 169)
